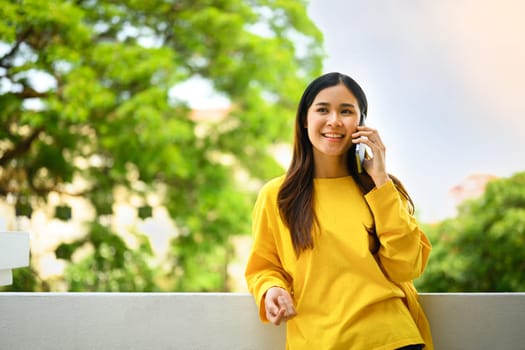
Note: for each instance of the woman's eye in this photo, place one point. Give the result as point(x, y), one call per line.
point(347, 112)
point(322, 110)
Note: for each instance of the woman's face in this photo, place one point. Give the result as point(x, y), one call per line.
point(331, 120)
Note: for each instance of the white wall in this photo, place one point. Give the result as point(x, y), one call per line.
point(212, 321)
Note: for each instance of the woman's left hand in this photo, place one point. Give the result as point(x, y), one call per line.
point(374, 166)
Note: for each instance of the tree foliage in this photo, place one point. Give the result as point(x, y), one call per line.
point(481, 250)
point(85, 94)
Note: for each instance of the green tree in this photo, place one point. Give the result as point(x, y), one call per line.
point(85, 94)
point(481, 250)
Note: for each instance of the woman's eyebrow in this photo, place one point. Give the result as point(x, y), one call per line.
point(341, 105)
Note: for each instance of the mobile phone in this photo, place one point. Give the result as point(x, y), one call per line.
point(360, 149)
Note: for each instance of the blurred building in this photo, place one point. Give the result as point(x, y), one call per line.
point(471, 187)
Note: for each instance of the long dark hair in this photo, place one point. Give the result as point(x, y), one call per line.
point(295, 198)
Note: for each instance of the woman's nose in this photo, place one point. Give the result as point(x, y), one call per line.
point(334, 119)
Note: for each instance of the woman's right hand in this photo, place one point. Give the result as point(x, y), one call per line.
point(279, 305)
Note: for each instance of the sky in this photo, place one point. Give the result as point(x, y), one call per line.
point(445, 83)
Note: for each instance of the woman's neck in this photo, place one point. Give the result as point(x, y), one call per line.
point(328, 167)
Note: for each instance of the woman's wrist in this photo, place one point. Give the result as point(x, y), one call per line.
point(380, 180)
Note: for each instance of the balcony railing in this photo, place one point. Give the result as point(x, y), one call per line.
point(14, 252)
point(216, 321)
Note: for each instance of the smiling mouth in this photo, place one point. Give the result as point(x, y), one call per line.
point(333, 136)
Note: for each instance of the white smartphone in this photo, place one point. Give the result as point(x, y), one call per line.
point(360, 149)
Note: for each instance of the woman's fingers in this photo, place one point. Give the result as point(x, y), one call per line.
point(275, 314)
point(279, 305)
point(286, 303)
point(374, 166)
point(368, 136)
point(280, 317)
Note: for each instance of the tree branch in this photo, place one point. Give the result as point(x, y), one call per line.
point(19, 40)
point(21, 147)
point(29, 92)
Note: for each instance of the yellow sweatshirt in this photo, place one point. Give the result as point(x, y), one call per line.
point(344, 297)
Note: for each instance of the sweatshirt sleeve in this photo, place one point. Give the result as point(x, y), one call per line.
point(404, 248)
point(264, 268)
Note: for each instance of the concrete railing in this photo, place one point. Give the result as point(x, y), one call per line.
point(216, 321)
point(14, 253)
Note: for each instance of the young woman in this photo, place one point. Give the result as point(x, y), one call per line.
point(336, 250)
